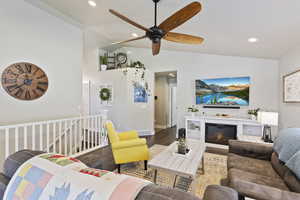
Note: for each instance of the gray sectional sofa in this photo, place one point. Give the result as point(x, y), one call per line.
point(255, 171)
point(150, 192)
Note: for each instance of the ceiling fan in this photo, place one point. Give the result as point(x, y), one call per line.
point(156, 33)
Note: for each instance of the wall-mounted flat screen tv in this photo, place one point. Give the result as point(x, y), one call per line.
point(223, 91)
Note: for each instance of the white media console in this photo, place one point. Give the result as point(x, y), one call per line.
point(247, 129)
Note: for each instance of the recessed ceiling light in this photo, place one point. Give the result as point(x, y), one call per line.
point(134, 35)
point(92, 3)
point(252, 40)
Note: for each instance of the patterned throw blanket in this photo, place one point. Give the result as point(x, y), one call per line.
point(55, 177)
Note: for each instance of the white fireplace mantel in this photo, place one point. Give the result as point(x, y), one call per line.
point(247, 129)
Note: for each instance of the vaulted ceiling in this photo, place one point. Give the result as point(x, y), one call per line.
point(226, 25)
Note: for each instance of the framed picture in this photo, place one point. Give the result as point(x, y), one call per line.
point(223, 91)
point(291, 87)
point(140, 94)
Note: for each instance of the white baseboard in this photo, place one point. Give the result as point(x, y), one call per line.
point(146, 132)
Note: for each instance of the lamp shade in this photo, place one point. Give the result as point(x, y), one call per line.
point(268, 118)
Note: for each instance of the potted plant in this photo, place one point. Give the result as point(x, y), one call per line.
point(253, 113)
point(103, 62)
point(193, 110)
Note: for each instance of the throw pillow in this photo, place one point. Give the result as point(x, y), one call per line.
point(294, 164)
point(287, 144)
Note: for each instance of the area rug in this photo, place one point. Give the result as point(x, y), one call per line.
point(215, 169)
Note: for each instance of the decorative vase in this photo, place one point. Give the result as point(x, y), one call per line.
point(182, 146)
point(103, 67)
point(253, 117)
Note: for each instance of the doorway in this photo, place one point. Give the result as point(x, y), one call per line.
point(165, 100)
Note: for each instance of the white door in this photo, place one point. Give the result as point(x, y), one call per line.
point(173, 106)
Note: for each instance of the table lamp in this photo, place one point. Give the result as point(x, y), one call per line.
point(268, 119)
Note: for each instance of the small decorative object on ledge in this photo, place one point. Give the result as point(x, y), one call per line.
point(193, 110)
point(253, 113)
point(105, 94)
point(291, 89)
point(103, 63)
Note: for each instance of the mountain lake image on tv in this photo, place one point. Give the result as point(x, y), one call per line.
point(223, 91)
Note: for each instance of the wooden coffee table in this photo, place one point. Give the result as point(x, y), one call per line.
point(177, 164)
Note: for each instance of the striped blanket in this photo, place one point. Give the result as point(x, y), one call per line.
point(55, 177)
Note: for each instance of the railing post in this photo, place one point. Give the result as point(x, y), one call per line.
point(76, 135)
point(71, 137)
point(33, 137)
point(84, 133)
point(80, 134)
point(60, 137)
point(65, 138)
point(6, 142)
point(54, 137)
point(25, 137)
point(17, 139)
point(41, 137)
point(48, 139)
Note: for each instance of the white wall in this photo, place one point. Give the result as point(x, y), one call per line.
point(289, 112)
point(191, 66)
point(124, 113)
point(30, 34)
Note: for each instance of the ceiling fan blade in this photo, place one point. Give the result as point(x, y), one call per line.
point(155, 48)
point(126, 19)
point(130, 40)
point(183, 38)
point(181, 16)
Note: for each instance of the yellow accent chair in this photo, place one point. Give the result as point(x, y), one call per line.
point(127, 146)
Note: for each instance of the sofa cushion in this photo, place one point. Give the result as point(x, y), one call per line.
point(14, 161)
point(287, 144)
point(260, 167)
point(294, 164)
point(251, 149)
point(216, 192)
point(291, 181)
point(256, 186)
point(154, 192)
point(278, 165)
point(3, 184)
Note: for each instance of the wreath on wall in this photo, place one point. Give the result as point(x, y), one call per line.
point(105, 94)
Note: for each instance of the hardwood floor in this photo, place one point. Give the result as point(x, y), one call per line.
point(103, 158)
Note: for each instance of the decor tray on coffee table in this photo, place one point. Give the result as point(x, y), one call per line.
point(177, 164)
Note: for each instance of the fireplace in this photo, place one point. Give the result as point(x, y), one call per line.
point(220, 133)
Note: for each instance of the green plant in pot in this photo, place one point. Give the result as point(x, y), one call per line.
point(103, 62)
point(253, 113)
point(193, 110)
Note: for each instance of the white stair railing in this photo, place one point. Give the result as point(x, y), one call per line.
point(71, 137)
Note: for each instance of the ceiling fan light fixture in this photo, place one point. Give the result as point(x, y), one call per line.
point(163, 31)
point(92, 3)
point(253, 40)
